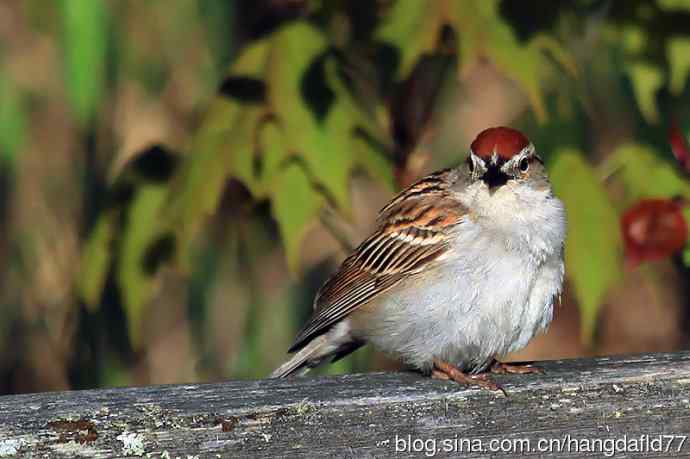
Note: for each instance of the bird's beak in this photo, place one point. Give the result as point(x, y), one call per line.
point(494, 177)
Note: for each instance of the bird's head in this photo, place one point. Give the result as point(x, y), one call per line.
point(501, 156)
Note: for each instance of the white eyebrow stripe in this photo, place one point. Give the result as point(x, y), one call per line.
point(529, 149)
point(477, 160)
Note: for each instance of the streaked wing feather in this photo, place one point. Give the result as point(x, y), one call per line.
point(356, 295)
point(411, 235)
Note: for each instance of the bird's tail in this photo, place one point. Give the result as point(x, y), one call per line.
point(305, 359)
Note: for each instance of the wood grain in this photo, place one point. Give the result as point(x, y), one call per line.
point(362, 415)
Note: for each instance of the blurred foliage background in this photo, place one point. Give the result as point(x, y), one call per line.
point(178, 177)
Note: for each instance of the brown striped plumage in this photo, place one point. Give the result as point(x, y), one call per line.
point(463, 268)
point(412, 233)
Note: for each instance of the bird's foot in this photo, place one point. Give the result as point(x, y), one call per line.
point(438, 374)
point(446, 371)
point(501, 368)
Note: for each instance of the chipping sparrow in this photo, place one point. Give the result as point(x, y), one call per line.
point(464, 267)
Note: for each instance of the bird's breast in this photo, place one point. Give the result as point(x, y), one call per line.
point(489, 298)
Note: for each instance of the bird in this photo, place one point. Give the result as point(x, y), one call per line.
point(464, 267)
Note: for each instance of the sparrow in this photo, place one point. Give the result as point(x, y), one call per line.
point(464, 267)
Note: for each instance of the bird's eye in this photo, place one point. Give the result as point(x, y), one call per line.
point(470, 164)
point(524, 165)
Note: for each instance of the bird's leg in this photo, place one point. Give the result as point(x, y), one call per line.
point(445, 370)
point(502, 368)
point(438, 374)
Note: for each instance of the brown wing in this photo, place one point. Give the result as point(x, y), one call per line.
point(412, 233)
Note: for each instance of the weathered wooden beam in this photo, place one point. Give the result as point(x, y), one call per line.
point(583, 404)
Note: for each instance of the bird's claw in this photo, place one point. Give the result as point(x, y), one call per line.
point(446, 371)
point(501, 368)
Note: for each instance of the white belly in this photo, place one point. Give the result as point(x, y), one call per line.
point(468, 316)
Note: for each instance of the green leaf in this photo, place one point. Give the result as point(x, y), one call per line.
point(518, 62)
point(413, 28)
point(135, 283)
point(678, 55)
point(335, 155)
point(12, 119)
point(644, 174)
point(239, 149)
point(273, 154)
point(633, 39)
point(196, 189)
point(483, 33)
point(361, 118)
point(373, 160)
point(293, 49)
point(295, 204)
point(357, 133)
point(252, 60)
point(593, 250)
point(222, 147)
point(521, 64)
point(96, 259)
point(646, 80)
point(674, 5)
point(84, 42)
point(548, 44)
point(322, 143)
